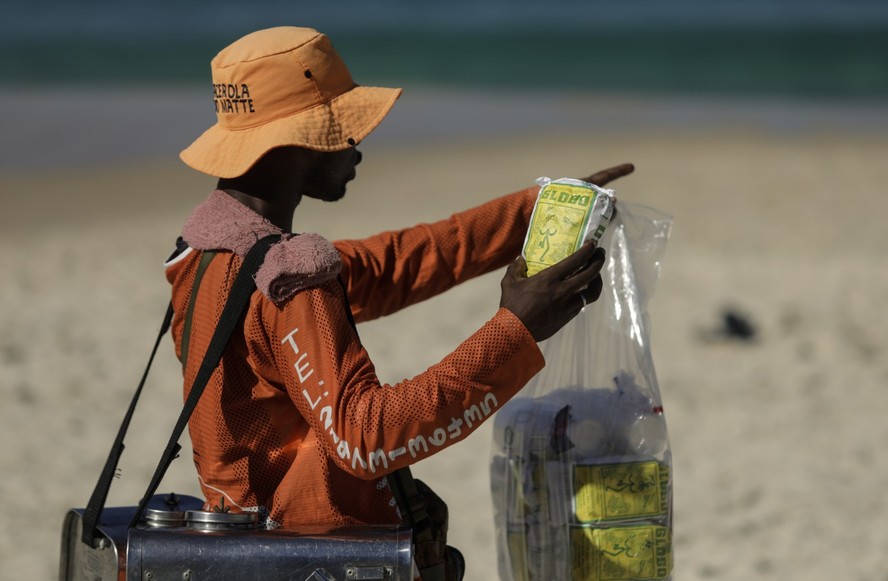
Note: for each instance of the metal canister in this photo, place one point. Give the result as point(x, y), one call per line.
point(205, 520)
point(156, 518)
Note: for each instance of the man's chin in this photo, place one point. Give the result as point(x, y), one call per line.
point(334, 196)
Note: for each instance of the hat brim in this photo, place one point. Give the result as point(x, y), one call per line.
point(339, 124)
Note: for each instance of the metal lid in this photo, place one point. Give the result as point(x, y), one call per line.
point(155, 517)
point(210, 520)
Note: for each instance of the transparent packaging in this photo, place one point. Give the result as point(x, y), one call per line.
point(581, 469)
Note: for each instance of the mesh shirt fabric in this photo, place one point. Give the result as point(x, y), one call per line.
point(295, 423)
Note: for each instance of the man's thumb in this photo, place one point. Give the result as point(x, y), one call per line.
point(518, 268)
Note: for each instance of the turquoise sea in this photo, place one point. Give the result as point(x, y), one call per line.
point(818, 49)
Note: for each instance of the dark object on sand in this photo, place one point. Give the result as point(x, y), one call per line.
point(737, 326)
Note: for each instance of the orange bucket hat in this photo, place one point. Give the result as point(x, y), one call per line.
point(283, 86)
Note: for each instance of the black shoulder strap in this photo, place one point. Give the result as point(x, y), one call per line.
point(237, 301)
point(100, 493)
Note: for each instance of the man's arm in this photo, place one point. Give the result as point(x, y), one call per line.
point(392, 270)
point(368, 428)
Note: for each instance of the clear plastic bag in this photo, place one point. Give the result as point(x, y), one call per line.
point(581, 470)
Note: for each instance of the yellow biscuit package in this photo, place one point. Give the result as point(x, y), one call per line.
point(622, 553)
point(567, 213)
point(620, 491)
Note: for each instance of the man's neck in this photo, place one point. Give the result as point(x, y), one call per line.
point(276, 209)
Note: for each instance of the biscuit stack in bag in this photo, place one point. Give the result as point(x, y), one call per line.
point(581, 465)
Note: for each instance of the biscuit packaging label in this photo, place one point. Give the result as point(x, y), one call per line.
point(631, 490)
point(567, 213)
point(620, 553)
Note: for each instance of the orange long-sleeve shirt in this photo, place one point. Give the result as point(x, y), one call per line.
point(295, 423)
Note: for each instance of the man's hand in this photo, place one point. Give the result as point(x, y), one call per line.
point(546, 301)
point(606, 176)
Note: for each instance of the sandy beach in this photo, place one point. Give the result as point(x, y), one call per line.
point(778, 215)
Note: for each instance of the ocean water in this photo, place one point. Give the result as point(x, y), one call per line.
point(833, 50)
point(78, 80)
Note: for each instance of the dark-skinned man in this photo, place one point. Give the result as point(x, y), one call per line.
point(295, 424)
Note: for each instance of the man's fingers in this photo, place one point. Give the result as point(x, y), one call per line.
point(592, 292)
point(587, 258)
point(608, 175)
point(587, 274)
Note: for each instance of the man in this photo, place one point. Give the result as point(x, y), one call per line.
point(295, 424)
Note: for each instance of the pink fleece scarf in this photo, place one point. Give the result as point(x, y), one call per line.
point(295, 263)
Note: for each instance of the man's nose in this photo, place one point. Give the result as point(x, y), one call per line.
point(359, 157)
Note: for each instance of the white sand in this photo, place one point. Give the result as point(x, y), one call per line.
point(778, 473)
